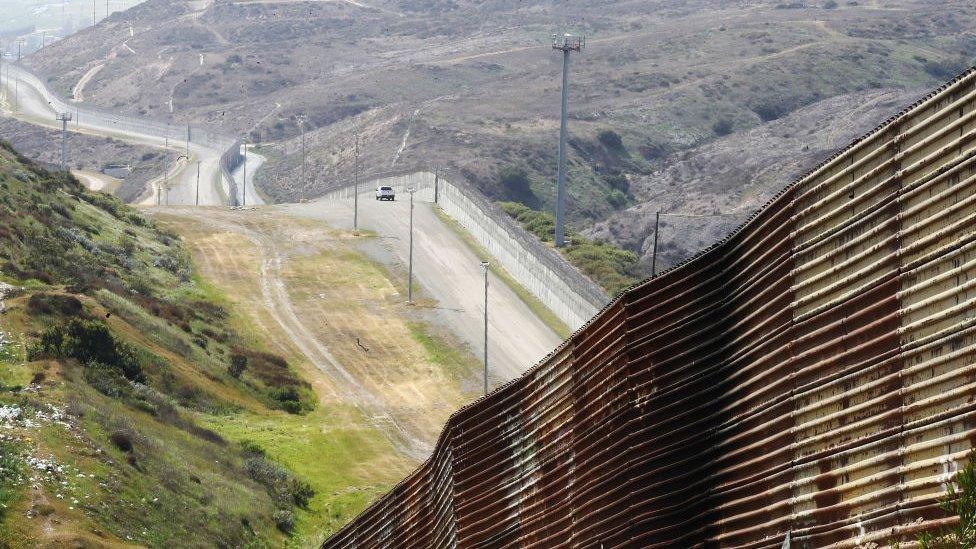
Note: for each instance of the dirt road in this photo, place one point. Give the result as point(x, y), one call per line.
point(450, 273)
point(315, 299)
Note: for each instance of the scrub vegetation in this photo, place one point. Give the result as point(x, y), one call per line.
point(115, 363)
point(613, 268)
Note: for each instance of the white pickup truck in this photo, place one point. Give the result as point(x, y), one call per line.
point(385, 193)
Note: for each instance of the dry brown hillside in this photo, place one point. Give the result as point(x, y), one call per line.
point(473, 87)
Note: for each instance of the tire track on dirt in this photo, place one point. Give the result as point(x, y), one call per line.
point(274, 294)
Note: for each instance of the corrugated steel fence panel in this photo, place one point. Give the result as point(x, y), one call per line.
point(814, 373)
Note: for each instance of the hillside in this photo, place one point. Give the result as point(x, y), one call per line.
point(113, 356)
point(110, 349)
point(472, 87)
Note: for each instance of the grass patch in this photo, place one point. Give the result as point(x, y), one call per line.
point(538, 307)
point(450, 358)
point(347, 467)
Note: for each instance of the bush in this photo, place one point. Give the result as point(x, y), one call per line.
point(830, 4)
point(617, 199)
point(49, 304)
point(611, 140)
point(284, 520)
point(122, 440)
point(722, 127)
point(516, 185)
point(962, 503)
point(618, 181)
point(238, 363)
point(283, 487)
point(91, 343)
point(107, 380)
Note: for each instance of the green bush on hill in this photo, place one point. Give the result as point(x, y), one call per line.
point(613, 268)
point(91, 343)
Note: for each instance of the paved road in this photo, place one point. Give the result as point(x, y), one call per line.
point(38, 105)
point(449, 272)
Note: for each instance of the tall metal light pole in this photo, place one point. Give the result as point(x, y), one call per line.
point(411, 190)
point(355, 195)
point(198, 183)
point(301, 124)
point(567, 45)
point(484, 266)
point(244, 189)
point(657, 225)
point(64, 118)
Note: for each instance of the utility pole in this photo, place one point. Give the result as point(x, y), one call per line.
point(657, 225)
point(568, 45)
point(301, 124)
point(94, 21)
point(187, 140)
point(244, 190)
point(198, 183)
point(436, 186)
point(64, 118)
point(159, 194)
point(411, 190)
point(484, 266)
point(355, 196)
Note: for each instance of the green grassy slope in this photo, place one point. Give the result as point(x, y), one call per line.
point(113, 358)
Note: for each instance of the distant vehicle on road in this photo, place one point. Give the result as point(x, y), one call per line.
point(385, 193)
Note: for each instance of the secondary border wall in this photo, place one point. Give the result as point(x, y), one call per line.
point(559, 286)
point(814, 373)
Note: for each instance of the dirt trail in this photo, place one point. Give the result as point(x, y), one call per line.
point(367, 394)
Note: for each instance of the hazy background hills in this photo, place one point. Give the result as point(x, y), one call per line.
point(695, 107)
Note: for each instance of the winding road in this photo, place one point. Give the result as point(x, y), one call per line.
point(36, 104)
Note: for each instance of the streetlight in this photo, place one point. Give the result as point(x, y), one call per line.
point(244, 190)
point(301, 118)
point(198, 182)
point(567, 45)
point(410, 190)
point(484, 266)
point(355, 195)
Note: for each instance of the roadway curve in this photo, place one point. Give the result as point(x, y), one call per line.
point(39, 105)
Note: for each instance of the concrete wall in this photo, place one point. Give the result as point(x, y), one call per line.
point(560, 287)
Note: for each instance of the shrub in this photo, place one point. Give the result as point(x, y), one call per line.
point(283, 487)
point(284, 520)
point(616, 198)
point(611, 140)
point(516, 184)
point(618, 181)
point(722, 127)
point(121, 439)
point(107, 380)
point(49, 304)
point(91, 343)
point(961, 502)
point(238, 363)
point(830, 4)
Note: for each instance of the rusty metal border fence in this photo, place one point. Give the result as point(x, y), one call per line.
point(813, 373)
